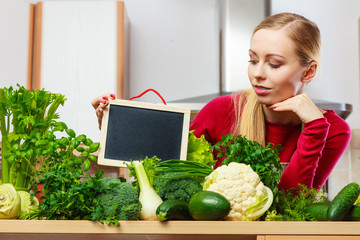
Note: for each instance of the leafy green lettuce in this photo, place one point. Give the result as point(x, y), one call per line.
point(200, 150)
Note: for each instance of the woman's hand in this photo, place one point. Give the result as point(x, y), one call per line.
point(99, 104)
point(301, 105)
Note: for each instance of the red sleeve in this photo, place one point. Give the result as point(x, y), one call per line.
point(319, 148)
point(215, 119)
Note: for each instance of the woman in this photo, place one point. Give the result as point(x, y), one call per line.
point(284, 56)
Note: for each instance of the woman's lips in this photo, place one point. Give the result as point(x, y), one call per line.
point(260, 90)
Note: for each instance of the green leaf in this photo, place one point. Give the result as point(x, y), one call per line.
point(81, 138)
point(29, 153)
point(94, 147)
point(264, 160)
point(78, 160)
point(41, 143)
point(80, 149)
point(70, 132)
point(93, 158)
point(85, 154)
point(11, 160)
point(86, 165)
point(88, 142)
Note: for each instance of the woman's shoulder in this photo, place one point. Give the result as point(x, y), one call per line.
point(215, 118)
point(222, 104)
point(222, 100)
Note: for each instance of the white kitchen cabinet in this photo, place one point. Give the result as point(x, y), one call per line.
point(81, 51)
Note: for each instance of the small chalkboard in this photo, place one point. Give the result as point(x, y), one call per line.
point(133, 130)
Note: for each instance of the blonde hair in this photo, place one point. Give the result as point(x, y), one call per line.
point(306, 36)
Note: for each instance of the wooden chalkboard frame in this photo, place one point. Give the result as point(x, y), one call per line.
point(103, 158)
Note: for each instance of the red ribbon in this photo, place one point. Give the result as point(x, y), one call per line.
point(140, 95)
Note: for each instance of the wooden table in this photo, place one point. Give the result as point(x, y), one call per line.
point(176, 230)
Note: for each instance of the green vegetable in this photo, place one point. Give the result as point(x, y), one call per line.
point(28, 203)
point(10, 202)
point(68, 194)
point(173, 210)
point(292, 204)
point(187, 168)
point(354, 214)
point(117, 200)
point(52, 150)
point(241, 185)
point(25, 116)
point(273, 216)
point(149, 165)
point(343, 202)
point(199, 150)
point(262, 204)
point(169, 186)
point(319, 211)
point(357, 202)
point(148, 198)
point(263, 160)
point(208, 205)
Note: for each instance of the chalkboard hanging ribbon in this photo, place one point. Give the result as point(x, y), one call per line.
point(150, 89)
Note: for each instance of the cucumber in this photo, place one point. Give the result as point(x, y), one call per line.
point(208, 205)
point(354, 214)
point(343, 202)
point(318, 211)
point(173, 209)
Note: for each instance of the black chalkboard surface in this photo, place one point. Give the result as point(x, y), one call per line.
point(134, 130)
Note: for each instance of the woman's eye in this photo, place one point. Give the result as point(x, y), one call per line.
point(273, 65)
point(252, 61)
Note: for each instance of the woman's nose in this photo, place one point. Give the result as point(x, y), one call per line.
point(259, 71)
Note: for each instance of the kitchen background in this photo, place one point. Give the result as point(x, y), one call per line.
point(182, 48)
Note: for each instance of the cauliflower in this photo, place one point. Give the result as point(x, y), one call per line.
point(239, 184)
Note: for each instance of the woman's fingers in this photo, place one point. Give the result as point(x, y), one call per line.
point(101, 99)
point(99, 103)
point(302, 105)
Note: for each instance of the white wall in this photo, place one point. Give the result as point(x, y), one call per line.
point(14, 34)
point(339, 25)
point(238, 20)
point(174, 47)
point(78, 57)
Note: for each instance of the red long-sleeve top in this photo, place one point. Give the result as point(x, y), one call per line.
point(311, 153)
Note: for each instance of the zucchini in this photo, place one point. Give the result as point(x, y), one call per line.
point(208, 205)
point(354, 214)
point(318, 211)
point(343, 202)
point(173, 209)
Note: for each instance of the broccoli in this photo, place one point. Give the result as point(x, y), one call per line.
point(169, 187)
point(117, 200)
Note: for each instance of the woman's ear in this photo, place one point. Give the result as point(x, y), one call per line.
point(310, 72)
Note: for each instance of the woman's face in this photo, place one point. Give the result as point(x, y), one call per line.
point(275, 72)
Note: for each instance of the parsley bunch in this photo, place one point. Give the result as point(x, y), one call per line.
point(68, 194)
point(263, 160)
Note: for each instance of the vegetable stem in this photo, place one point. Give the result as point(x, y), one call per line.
point(148, 198)
point(4, 161)
point(142, 177)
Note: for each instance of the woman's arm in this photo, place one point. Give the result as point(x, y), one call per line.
point(319, 148)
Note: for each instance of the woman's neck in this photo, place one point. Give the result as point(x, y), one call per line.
point(286, 117)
